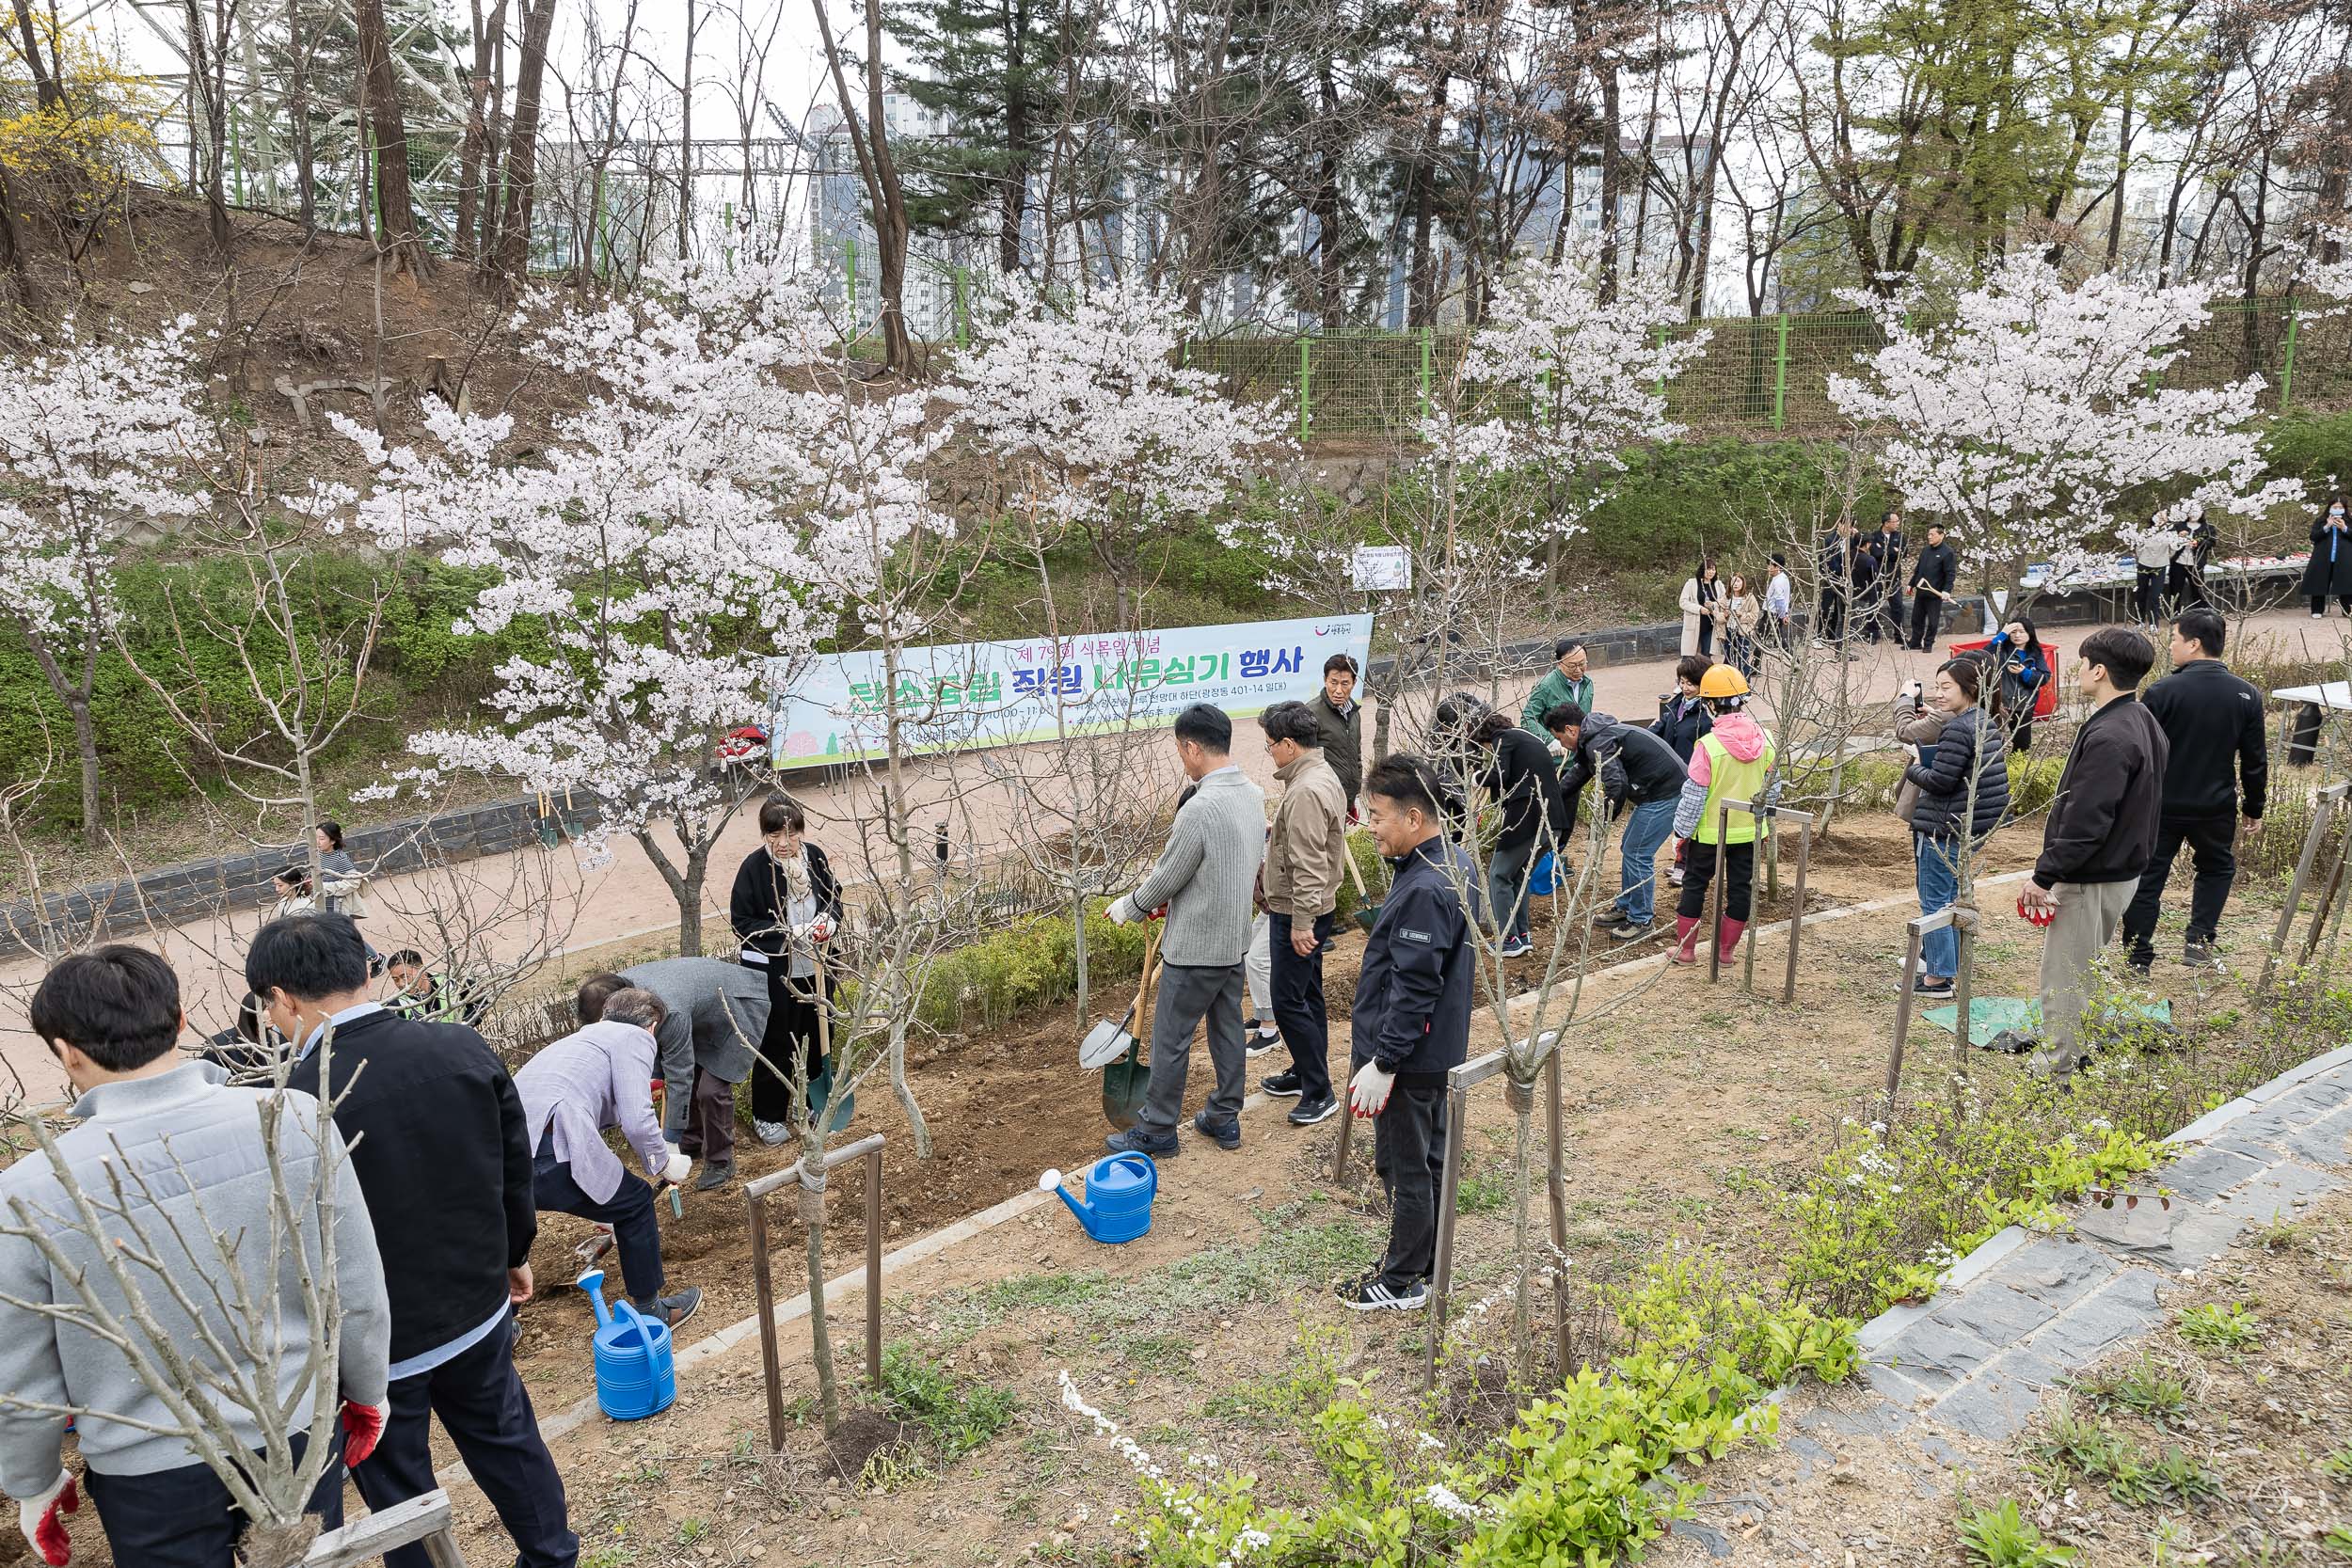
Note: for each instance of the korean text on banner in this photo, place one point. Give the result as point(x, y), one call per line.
point(1009, 693)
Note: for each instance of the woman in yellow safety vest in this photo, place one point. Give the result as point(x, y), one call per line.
point(1733, 761)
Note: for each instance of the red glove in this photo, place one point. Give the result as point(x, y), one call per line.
point(362, 1425)
point(38, 1518)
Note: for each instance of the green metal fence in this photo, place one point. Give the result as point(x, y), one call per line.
point(1757, 375)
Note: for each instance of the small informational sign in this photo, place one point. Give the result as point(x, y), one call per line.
point(1008, 693)
point(1382, 568)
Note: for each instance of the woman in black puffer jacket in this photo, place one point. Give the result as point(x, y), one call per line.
point(1951, 818)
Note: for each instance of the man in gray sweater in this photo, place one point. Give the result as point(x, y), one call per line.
point(1205, 877)
point(189, 1156)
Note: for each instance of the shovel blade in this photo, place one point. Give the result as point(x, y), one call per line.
point(1125, 1082)
point(1105, 1044)
point(1368, 915)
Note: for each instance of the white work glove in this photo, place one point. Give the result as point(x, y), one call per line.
point(1368, 1091)
point(680, 1166)
point(821, 928)
point(1121, 912)
point(37, 1516)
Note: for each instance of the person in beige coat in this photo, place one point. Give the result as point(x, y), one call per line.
point(1301, 880)
point(1702, 599)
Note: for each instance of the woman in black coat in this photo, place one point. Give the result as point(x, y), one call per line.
point(2331, 571)
point(785, 908)
point(1963, 794)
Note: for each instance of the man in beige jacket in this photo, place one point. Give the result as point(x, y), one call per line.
point(1301, 883)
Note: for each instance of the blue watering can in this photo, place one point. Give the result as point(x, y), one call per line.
point(1120, 1188)
point(636, 1377)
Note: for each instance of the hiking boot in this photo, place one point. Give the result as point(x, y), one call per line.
point(2197, 955)
point(2053, 1066)
point(1282, 1085)
point(1630, 932)
point(673, 1312)
point(771, 1133)
point(2139, 968)
point(715, 1175)
point(1613, 915)
point(1136, 1141)
point(1374, 1294)
point(1307, 1112)
point(1227, 1133)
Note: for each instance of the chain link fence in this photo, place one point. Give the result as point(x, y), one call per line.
point(1757, 375)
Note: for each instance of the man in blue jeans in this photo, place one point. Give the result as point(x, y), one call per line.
point(1653, 777)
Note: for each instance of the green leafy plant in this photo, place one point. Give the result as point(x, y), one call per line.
point(2001, 1538)
point(2214, 1326)
point(2146, 1387)
point(2338, 1465)
point(957, 1416)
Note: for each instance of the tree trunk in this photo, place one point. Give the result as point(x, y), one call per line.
point(475, 148)
point(48, 86)
point(686, 142)
point(204, 88)
point(395, 212)
point(298, 109)
point(869, 140)
point(819, 1327)
point(1612, 177)
point(522, 141)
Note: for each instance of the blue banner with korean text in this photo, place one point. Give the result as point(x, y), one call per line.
point(1039, 689)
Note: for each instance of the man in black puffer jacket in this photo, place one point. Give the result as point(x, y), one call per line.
point(2215, 723)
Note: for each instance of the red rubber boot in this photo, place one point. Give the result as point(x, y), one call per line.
point(1727, 938)
point(1686, 941)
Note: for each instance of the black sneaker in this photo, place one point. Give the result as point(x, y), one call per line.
point(1259, 1041)
point(1227, 1133)
point(674, 1310)
point(2197, 955)
point(715, 1175)
point(1374, 1294)
point(1307, 1112)
point(1282, 1085)
point(1136, 1141)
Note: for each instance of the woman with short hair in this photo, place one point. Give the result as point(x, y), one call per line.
point(786, 906)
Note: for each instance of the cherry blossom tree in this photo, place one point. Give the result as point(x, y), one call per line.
point(1097, 424)
point(1553, 388)
point(656, 540)
point(2027, 412)
point(95, 436)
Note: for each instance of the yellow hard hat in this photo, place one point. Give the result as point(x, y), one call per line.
point(1721, 680)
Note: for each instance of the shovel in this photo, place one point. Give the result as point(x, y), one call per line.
point(1126, 1074)
point(820, 1086)
point(1367, 909)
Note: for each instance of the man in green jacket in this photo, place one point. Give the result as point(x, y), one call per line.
point(1565, 682)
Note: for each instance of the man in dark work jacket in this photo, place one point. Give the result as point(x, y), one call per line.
point(1411, 1021)
point(438, 1142)
point(2214, 721)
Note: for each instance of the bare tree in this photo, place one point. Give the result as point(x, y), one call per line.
point(878, 171)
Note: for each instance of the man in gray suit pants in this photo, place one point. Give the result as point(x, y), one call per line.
point(1204, 877)
point(716, 1012)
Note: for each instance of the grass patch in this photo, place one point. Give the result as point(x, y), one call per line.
point(1291, 1256)
point(2147, 1388)
point(2214, 1326)
point(2132, 1475)
point(958, 1415)
point(1169, 1353)
point(2002, 1537)
point(1487, 1192)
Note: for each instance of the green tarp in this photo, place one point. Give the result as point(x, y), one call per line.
point(1990, 1014)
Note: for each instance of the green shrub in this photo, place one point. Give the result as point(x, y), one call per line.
point(2215, 1327)
point(1892, 1208)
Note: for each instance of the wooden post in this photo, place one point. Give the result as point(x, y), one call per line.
point(422, 1519)
point(2325, 807)
point(868, 1148)
point(1963, 982)
point(1796, 920)
point(1449, 1187)
point(873, 1267)
point(1715, 894)
point(1917, 929)
point(1556, 1187)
